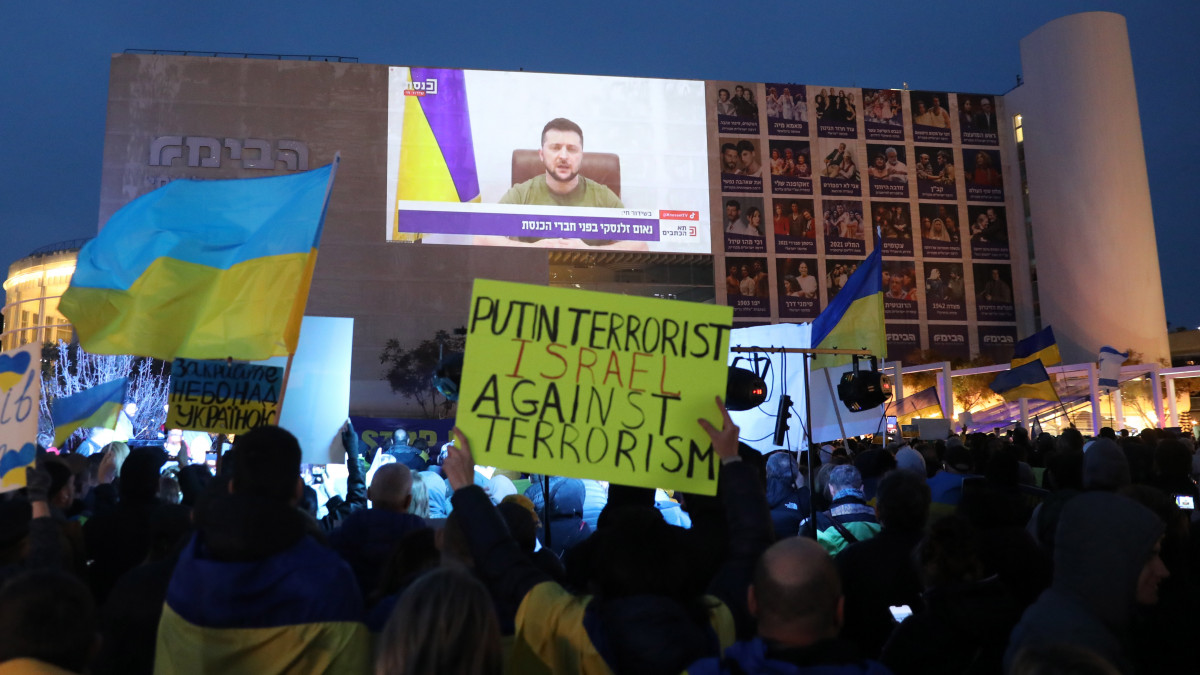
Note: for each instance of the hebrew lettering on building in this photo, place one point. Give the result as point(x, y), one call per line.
point(208, 152)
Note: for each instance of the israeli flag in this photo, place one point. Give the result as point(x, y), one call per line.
point(1110, 367)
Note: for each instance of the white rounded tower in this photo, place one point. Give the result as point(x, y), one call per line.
point(1096, 259)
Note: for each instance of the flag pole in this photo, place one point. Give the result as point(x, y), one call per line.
point(287, 372)
point(812, 479)
point(838, 413)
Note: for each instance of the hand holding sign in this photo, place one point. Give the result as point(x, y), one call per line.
point(725, 441)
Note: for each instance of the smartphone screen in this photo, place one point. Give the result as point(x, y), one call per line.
point(900, 612)
point(1185, 502)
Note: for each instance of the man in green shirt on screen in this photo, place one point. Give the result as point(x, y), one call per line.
point(562, 155)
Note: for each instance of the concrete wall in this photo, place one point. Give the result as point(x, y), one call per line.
point(392, 290)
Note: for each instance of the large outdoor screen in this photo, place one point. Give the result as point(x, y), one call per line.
point(562, 161)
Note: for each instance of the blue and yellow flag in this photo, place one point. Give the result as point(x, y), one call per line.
point(203, 269)
point(920, 403)
point(296, 611)
point(437, 152)
point(854, 318)
point(1039, 346)
point(95, 407)
point(1026, 381)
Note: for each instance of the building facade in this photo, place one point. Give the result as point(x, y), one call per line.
point(990, 209)
point(31, 292)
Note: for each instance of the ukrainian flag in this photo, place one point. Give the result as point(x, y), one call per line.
point(437, 152)
point(854, 318)
point(920, 403)
point(296, 611)
point(1039, 346)
point(95, 407)
point(1026, 381)
point(203, 269)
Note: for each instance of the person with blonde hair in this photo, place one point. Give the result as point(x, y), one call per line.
point(419, 505)
point(443, 623)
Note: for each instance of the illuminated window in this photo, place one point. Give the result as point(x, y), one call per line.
point(1017, 123)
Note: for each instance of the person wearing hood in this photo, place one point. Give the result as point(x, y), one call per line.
point(566, 524)
point(789, 504)
point(1106, 562)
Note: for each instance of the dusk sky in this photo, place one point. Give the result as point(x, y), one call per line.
point(55, 86)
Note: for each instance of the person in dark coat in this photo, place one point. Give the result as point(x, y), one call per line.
point(367, 537)
point(965, 624)
point(119, 539)
point(414, 458)
point(879, 573)
point(648, 614)
point(789, 504)
point(1106, 562)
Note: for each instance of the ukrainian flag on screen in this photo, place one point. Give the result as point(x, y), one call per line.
point(95, 407)
point(296, 611)
point(203, 269)
point(1039, 346)
point(1026, 381)
point(854, 318)
point(920, 403)
point(437, 153)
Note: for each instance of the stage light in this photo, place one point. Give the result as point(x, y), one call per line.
point(864, 389)
point(744, 389)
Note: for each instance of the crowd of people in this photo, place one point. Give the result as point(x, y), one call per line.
point(981, 553)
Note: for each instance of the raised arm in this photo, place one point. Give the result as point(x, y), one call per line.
point(506, 570)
